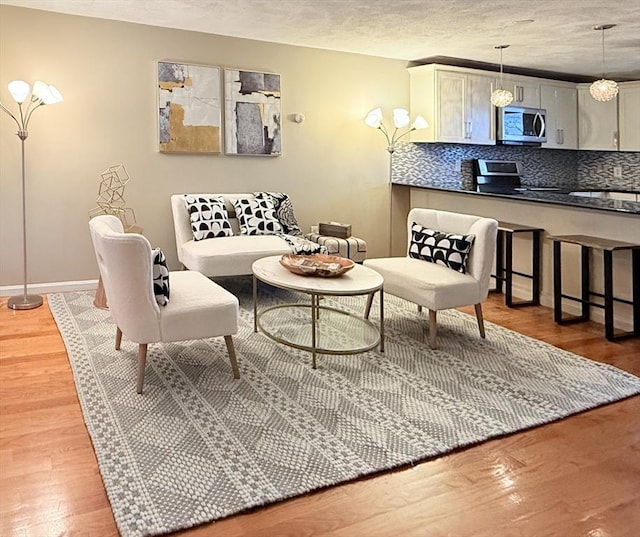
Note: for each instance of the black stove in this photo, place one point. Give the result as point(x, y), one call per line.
point(502, 177)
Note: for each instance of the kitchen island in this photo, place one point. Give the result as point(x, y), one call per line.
point(558, 213)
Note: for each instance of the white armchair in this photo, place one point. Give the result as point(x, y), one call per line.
point(198, 308)
point(438, 287)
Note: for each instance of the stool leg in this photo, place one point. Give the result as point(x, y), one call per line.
point(635, 274)
point(586, 311)
point(536, 268)
point(557, 281)
point(608, 295)
point(509, 270)
point(499, 266)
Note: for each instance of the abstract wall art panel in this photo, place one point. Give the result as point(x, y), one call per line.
point(189, 108)
point(252, 113)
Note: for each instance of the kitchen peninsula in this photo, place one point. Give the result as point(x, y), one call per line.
point(558, 213)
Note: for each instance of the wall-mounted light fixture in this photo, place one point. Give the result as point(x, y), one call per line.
point(40, 95)
point(501, 97)
point(603, 89)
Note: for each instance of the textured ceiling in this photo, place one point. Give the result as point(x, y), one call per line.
point(560, 38)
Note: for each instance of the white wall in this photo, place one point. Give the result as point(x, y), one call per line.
point(333, 165)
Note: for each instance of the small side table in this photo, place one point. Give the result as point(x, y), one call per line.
point(607, 246)
point(353, 248)
point(504, 263)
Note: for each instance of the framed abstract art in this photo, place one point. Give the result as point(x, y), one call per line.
point(189, 108)
point(252, 113)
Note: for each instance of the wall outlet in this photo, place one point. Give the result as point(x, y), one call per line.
point(617, 172)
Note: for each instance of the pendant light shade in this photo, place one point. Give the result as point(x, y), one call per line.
point(603, 89)
point(501, 97)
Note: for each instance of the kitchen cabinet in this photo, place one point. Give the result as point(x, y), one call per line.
point(560, 100)
point(525, 90)
point(629, 116)
point(455, 101)
point(597, 122)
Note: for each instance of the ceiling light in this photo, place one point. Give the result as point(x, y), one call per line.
point(501, 97)
point(603, 89)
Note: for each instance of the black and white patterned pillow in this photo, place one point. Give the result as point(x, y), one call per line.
point(256, 216)
point(284, 211)
point(160, 277)
point(209, 217)
point(448, 249)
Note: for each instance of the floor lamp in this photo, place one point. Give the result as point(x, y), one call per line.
point(400, 120)
point(40, 95)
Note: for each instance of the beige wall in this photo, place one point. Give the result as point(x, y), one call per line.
point(333, 166)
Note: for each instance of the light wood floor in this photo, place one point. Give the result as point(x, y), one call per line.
point(577, 477)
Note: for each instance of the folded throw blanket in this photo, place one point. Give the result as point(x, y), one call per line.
point(302, 246)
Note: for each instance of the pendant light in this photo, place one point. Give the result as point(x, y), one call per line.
point(501, 97)
point(603, 89)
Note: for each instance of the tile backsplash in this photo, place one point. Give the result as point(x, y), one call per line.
point(450, 166)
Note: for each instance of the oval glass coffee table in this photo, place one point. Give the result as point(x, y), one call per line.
point(310, 326)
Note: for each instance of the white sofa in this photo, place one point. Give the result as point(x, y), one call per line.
point(222, 256)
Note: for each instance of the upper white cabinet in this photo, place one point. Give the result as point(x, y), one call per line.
point(526, 90)
point(597, 122)
point(560, 100)
point(455, 101)
point(629, 116)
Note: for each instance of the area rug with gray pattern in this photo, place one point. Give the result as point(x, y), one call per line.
point(198, 446)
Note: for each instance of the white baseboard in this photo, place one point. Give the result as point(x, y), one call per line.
point(52, 287)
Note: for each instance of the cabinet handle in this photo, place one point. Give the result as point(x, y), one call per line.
point(562, 136)
point(615, 139)
point(519, 93)
point(470, 129)
point(558, 136)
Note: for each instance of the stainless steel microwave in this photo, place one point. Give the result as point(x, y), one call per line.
point(521, 126)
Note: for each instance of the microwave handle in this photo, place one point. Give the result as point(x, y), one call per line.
point(542, 124)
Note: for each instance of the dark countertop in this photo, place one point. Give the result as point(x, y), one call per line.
point(561, 197)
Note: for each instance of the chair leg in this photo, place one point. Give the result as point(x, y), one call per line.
point(367, 308)
point(118, 338)
point(433, 328)
point(232, 356)
point(142, 360)
point(478, 308)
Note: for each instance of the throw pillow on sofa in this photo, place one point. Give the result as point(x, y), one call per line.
point(284, 211)
point(256, 216)
point(209, 217)
point(160, 276)
point(448, 249)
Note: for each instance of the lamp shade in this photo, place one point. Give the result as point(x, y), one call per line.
point(419, 123)
point(400, 118)
point(46, 93)
point(374, 118)
point(604, 90)
point(19, 90)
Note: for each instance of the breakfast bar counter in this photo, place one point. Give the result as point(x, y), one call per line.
point(566, 198)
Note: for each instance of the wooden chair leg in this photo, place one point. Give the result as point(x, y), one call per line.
point(367, 308)
point(478, 308)
point(142, 360)
point(433, 328)
point(118, 338)
point(232, 356)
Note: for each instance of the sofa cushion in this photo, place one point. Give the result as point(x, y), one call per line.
point(209, 217)
point(256, 216)
point(448, 249)
point(284, 211)
point(160, 277)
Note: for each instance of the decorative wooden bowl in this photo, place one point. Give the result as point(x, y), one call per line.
point(325, 266)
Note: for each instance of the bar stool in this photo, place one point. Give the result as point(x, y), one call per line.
point(504, 263)
point(607, 246)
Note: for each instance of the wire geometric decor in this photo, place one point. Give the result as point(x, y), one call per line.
point(111, 196)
